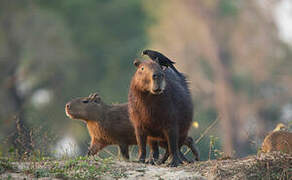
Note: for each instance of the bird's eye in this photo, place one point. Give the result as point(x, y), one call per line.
point(85, 101)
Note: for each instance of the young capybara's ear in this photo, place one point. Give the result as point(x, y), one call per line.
point(137, 62)
point(94, 97)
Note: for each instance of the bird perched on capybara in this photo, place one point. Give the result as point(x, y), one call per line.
point(160, 106)
point(160, 59)
point(110, 124)
point(278, 140)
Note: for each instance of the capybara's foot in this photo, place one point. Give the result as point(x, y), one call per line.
point(174, 161)
point(163, 159)
point(150, 161)
point(89, 153)
point(197, 158)
point(159, 162)
point(191, 144)
point(125, 159)
point(141, 160)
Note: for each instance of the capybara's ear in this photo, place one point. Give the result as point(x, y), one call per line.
point(95, 97)
point(92, 95)
point(137, 62)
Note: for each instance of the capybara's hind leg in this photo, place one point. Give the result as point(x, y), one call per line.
point(95, 147)
point(154, 152)
point(191, 144)
point(124, 150)
point(183, 158)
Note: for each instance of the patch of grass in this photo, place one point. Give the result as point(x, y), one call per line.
point(76, 168)
point(38, 173)
point(5, 165)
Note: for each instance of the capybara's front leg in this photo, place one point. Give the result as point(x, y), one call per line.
point(141, 142)
point(124, 149)
point(154, 152)
point(171, 135)
point(95, 147)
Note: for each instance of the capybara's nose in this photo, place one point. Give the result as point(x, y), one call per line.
point(157, 90)
point(157, 76)
point(68, 106)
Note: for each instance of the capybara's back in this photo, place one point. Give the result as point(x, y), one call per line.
point(278, 141)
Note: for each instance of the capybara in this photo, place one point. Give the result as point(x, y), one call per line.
point(278, 140)
point(110, 124)
point(160, 106)
point(281, 127)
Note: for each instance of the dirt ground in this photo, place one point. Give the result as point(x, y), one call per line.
point(262, 166)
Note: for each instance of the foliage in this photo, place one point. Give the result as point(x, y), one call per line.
point(64, 49)
point(227, 49)
point(5, 165)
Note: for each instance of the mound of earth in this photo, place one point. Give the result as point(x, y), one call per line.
point(262, 166)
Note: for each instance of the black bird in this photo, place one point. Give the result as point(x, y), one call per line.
point(160, 59)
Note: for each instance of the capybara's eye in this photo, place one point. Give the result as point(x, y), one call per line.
point(85, 101)
point(142, 68)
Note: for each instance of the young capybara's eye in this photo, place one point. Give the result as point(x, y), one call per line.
point(85, 101)
point(142, 68)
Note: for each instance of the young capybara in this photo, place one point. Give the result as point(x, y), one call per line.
point(278, 140)
point(160, 107)
point(110, 124)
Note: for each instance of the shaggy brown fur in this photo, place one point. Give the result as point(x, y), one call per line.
point(160, 106)
point(278, 141)
point(110, 124)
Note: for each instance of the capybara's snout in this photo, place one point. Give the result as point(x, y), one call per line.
point(158, 85)
point(68, 105)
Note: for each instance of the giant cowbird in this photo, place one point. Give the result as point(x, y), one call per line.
point(160, 59)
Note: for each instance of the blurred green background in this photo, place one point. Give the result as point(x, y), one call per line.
point(237, 55)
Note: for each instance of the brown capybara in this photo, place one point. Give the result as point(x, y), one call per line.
point(281, 127)
point(110, 124)
point(278, 140)
point(160, 107)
